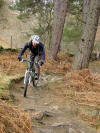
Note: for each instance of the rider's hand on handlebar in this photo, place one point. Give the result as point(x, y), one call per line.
point(19, 58)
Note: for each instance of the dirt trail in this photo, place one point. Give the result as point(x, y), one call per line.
point(49, 113)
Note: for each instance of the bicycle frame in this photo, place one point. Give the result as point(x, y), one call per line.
point(29, 71)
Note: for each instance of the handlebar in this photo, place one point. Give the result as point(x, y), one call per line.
point(25, 60)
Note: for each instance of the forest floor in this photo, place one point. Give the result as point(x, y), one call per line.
point(65, 101)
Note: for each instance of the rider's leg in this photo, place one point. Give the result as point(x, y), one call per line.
point(34, 62)
point(37, 67)
point(32, 57)
point(36, 73)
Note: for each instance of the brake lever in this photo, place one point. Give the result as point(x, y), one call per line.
point(23, 60)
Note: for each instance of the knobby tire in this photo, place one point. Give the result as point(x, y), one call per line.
point(25, 89)
point(26, 84)
point(34, 81)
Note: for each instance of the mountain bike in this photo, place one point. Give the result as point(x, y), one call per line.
point(30, 74)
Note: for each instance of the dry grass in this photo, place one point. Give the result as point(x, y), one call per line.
point(13, 120)
point(80, 80)
point(94, 121)
point(60, 66)
point(11, 66)
point(85, 85)
point(9, 63)
point(81, 86)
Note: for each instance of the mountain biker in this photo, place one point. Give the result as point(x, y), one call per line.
point(37, 52)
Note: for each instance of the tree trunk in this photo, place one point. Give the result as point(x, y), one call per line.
point(60, 7)
point(88, 37)
point(86, 7)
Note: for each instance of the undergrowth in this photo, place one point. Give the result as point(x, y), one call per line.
point(13, 119)
point(72, 30)
point(1, 3)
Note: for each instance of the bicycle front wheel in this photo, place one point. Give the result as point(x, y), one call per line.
point(25, 89)
point(26, 82)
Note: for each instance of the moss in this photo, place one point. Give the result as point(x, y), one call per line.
point(7, 50)
point(1, 87)
point(23, 15)
point(6, 81)
point(5, 84)
point(5, 95)
point(10, 50)
point(1, 48)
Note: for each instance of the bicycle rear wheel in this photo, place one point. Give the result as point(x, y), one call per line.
point(36, 65)
point(35, 81)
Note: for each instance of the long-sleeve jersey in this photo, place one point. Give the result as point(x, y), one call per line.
point(38, 50)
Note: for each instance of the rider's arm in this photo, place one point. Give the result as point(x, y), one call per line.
point(24, 49)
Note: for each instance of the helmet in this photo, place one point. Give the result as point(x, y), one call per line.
point(35, 39)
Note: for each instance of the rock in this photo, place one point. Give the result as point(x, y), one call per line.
point(48, 114)
point(55, 107)
point(45, 103)
point(46, 131)
point(29, 109)
point(37, 115)
point(59, 124)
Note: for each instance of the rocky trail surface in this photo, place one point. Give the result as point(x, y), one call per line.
point(49, 112)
